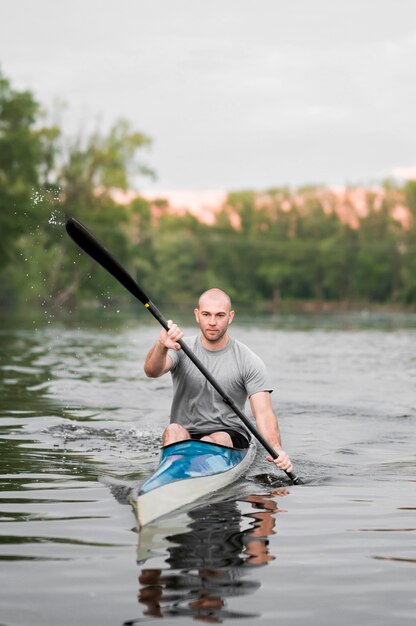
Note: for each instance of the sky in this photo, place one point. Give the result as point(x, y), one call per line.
point(235, 94)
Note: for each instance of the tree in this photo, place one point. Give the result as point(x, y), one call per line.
point(43, 180)
point(408, 247)
point(25, 160)
point(92, 169)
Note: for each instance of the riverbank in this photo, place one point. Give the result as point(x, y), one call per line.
point(133, 317)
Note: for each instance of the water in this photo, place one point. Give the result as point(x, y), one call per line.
point(80, 427)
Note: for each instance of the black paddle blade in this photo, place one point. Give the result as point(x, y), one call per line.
point(87, 242)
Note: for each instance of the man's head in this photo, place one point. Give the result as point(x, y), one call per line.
point(214, 315)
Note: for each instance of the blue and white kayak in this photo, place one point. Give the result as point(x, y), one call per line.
point(188, 471)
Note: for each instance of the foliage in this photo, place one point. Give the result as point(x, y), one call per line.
point(43, 180)
point(24, 161)
point(263, 248)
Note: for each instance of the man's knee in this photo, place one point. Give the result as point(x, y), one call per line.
point(173, 433)
point(222, 438)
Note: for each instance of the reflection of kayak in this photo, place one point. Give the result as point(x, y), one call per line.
point(188, 471)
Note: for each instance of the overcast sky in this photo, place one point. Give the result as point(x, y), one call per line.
point(234, 93)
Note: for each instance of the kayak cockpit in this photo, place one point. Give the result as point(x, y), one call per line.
point(190, 459)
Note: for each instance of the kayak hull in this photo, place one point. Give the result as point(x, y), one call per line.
point(189, 471)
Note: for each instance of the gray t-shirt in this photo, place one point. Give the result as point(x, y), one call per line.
point(196, 404)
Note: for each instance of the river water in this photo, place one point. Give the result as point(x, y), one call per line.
point(80, 427)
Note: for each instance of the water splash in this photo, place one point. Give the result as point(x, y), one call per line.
point(56, 218)
point(37, 197)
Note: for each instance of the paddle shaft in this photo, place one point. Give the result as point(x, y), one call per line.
point(87, 242)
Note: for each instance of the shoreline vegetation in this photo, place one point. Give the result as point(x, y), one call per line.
point(124, 313)
point(310, 250)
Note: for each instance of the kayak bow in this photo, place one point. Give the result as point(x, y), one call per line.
point(188, 471)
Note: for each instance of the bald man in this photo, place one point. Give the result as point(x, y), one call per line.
point(198, 411)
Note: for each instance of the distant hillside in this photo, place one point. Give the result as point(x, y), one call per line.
point(350, 203)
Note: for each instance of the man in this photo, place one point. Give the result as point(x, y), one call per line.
point(198, 411)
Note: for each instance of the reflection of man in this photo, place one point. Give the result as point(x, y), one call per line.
point(198, 412)
point(211, 563)
point(257, 544)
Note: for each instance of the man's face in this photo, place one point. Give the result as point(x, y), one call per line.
point(213, 316)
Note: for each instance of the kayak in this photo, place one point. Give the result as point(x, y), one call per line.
point(188, 471)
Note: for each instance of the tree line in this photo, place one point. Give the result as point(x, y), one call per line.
point(266, 249)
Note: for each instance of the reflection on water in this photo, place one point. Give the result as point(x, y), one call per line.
point(209, 562)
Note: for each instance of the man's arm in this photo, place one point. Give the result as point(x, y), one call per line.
point(158, 362)
point(268, 426)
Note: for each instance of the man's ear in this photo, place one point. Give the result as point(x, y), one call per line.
point(196, 313)
point(232, 313)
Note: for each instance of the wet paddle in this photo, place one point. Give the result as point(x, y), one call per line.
point(87, 242)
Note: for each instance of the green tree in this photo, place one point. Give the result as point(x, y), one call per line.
point(180, 261)
point(25, 164)
point(43, 180)
point(377, 264)
point(92, 170)
point(408, 248)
